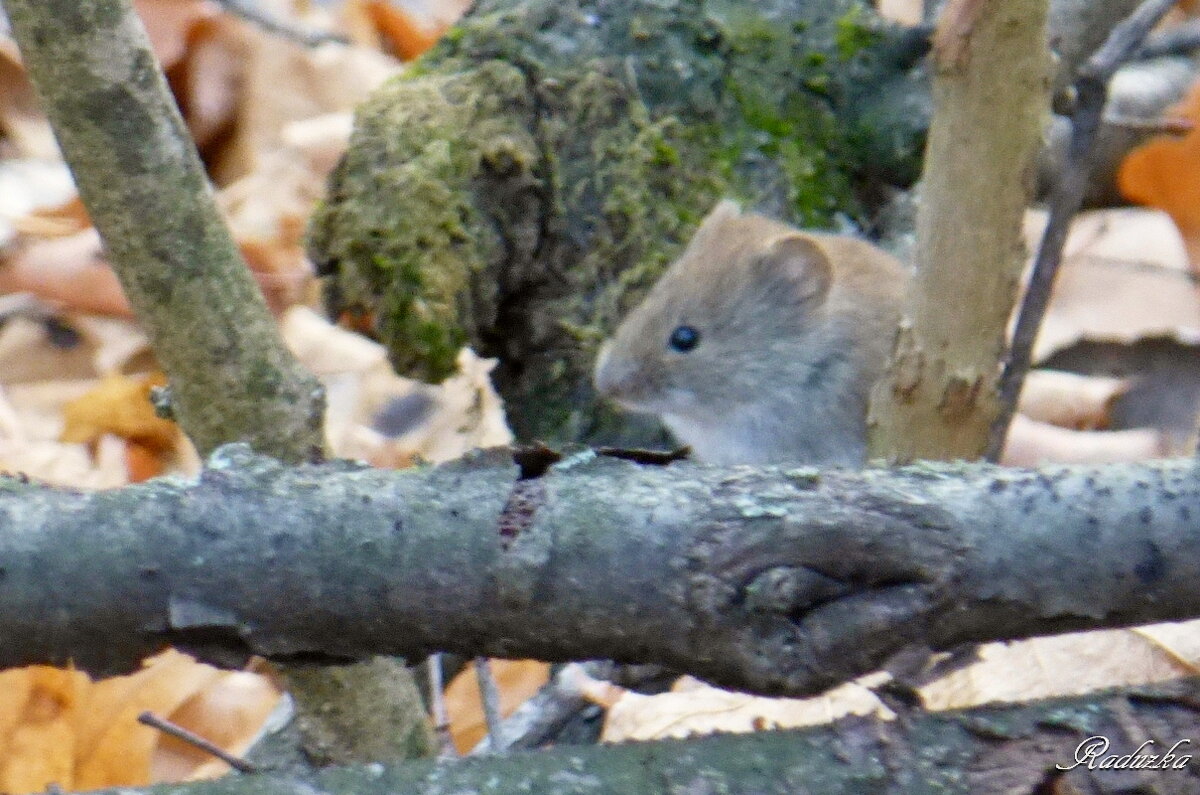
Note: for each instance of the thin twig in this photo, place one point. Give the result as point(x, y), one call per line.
point(1180, 40)
point(1091, 92)
point(489, 694)
point(249, 11)
point(180, 733)
point(540, 719)
point(1173, 125)
point(437, 707)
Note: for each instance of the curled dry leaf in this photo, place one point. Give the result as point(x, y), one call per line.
point(693, 708)
point(59, 727)
point(121, 406)
point(464, 412)
point(29, 186)
point(1031, 443)
point(1124, 277)
point(1069, 400)
point(1065, 665)
point(69, 271)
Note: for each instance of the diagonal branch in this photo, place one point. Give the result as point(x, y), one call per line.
point(145, 189)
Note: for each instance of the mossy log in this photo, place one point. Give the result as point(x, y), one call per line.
point(520, 186)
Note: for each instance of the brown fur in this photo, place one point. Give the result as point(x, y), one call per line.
point(794, 329)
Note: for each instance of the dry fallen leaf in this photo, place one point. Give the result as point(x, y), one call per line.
point(58, 727)
point(1031, 443)
point(120, 405)
point(693, 708)
point(517, 681)
point(26, 129)
point(1165, 173)
point(1124, 277)
point(1068, 400)
point(905, 12)
point(463, 412)
point(1064, 665)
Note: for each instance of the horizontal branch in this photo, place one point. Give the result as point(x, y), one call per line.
point(772, 581)
point(987, 749)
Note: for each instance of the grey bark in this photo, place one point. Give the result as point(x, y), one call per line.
point(778, 582)
point(977, 752)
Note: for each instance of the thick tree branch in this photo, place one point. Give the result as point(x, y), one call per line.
point(779, 582)
point(983, 750)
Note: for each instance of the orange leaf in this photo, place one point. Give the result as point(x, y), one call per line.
point(38, 710)
point(406, 37)
point(517, 681)
point(120, 405)
point(114, 748)
point(1165, 173)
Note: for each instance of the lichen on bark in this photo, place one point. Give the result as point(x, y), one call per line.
point(521, 186)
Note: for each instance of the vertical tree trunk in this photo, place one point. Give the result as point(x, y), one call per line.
point(938, 398)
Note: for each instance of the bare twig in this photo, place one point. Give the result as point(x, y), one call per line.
point(548, 711)
point(542, 718)
point(1171, 125)
point(249, 11)
point(178, 732)
point(489, 694)
point(1091, 92)
point(437, 707)
point(1181, 39)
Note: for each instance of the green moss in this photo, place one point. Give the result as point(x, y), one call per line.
point(408, 234)
point(791, 128)
point(855, 32)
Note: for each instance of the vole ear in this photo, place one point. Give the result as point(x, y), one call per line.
point(798, 263)
point(726, 210)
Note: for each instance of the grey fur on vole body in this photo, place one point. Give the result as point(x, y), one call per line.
point(791, 329)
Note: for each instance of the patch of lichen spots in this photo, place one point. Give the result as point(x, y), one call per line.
point(853, 33)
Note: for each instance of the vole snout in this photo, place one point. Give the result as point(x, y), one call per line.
point(615, 377)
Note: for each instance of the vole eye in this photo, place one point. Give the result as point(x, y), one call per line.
point(684, 338)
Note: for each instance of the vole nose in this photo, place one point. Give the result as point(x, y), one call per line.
point(611, 375)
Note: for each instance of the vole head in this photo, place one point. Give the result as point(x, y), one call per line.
point(746, 298)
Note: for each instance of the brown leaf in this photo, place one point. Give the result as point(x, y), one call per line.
point(517, 681)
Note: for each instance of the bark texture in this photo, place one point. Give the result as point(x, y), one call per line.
point(983, 751)
point(939, 396)
point(778, 582)
point(145, 190)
